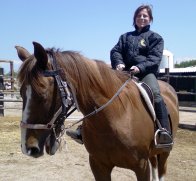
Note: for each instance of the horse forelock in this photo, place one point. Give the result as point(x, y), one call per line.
point(30, 74)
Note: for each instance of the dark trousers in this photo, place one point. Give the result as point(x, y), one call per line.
point(152, 82)
point(160, 107)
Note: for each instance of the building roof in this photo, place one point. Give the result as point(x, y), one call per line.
point(180, 70)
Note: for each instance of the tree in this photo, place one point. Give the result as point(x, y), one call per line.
point(190, 63)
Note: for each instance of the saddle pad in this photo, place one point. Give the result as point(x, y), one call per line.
point(146, 99)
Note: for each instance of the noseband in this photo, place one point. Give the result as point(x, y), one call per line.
point(67, 100)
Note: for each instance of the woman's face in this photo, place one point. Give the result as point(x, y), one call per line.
point(142, 19)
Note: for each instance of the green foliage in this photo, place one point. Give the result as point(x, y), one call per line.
point(8, 74)
point(190, 63)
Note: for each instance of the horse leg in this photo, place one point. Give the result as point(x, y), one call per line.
point(101, 171)
point(142, 171)
point(162, 165)
point(154, 168)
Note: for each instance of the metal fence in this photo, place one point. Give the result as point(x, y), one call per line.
point(184, 84)
point(10, 100)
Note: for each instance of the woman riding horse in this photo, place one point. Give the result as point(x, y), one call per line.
point(141, 52)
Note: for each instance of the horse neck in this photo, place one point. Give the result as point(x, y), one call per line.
point(88, 95)
point(93, 82)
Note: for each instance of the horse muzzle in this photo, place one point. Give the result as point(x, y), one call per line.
point(32, 148)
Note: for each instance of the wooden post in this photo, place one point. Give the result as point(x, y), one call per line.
point(12, 74)
point(1, 93)
point(167, 74)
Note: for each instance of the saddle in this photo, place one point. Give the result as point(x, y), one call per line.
point(147, 96)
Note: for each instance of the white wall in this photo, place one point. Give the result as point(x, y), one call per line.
point(167, 60)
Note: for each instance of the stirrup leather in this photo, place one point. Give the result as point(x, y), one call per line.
point(162, 145)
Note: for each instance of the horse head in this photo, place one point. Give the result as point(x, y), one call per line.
point(41, 123)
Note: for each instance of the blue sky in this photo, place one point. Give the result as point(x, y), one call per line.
point(92, 27)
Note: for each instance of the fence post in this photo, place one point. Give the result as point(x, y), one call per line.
point(12, 74)
point(1, 104)
point(167, 74)
point(1, 94)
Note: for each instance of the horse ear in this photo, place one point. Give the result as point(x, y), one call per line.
point(23, 54)
point(41, 55)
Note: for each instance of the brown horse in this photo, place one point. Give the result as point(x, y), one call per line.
point(122, 134)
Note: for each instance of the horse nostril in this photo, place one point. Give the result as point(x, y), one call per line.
point(34, 151)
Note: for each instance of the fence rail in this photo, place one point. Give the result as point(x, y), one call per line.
point(186, 93)
point(11, 100)
point(181, 76)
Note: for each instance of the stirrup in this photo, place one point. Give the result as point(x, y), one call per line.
point(169, 142)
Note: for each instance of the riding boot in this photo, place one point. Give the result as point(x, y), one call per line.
point(164, 133)
point(76, 134)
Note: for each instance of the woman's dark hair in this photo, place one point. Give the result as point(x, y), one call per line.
point(147, 7)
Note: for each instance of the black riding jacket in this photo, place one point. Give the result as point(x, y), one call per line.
point(143, 49)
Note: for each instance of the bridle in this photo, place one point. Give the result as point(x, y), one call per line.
point(68, 101)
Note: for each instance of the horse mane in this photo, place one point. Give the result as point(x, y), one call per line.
point(87, 74)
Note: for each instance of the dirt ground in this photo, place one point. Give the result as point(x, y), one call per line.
point(71, 163)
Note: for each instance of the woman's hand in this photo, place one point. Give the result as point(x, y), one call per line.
point(120, 67)
point(135, 70)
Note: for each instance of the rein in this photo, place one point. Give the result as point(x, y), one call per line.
point(103, 106)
